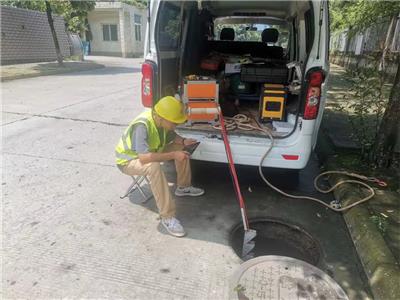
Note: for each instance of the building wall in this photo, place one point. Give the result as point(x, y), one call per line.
point(137, 47)
point(129, 34)
point(97, 45)
point(26, 36)
point(121, 15)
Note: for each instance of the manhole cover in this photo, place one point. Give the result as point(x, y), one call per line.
point(280, 277)
point(275, 237)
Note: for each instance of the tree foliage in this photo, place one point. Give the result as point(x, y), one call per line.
point(360, 14)
point(137, 3)
point(241, 34)
point(366, 100)
point(74, 12)
point(377, 127)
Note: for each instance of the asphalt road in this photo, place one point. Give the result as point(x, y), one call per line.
point(67, 234)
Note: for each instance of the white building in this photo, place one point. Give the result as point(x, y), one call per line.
point(116, 29)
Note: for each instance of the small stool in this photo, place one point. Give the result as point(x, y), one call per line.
point(136, 182)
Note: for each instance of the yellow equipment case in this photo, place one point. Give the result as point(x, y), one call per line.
point(272, 102)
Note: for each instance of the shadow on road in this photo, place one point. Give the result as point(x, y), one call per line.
point(108, 70)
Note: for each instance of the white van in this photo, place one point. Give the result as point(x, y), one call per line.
point(268, 34)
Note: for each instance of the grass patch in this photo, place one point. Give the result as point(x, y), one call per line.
point(380, 222)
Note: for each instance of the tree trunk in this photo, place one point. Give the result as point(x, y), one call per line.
point(54, 34)
point(390, 125)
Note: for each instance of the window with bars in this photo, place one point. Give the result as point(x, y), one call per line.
point(138, 27)
point(110, 32)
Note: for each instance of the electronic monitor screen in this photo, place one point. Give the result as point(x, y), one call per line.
point(190, 148)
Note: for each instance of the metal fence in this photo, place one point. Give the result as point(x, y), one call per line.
point(369, 41)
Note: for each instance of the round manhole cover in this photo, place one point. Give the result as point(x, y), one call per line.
point(280, 277)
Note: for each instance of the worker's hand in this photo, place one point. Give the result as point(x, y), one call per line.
point(181, 155)
point(187, 142)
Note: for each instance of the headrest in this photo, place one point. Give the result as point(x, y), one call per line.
point(270, 35)
point(227, 34)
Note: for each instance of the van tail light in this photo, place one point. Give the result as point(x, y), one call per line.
point(313, 95)
point(147, 84)
point(290, 157)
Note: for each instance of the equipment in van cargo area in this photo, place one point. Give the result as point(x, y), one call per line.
point(211, 63)
point(272, 102)
point(266, 72)
point(237, 86)
point(200, 97)
point(232, 68)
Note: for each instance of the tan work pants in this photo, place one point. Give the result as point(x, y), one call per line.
point(158, 182)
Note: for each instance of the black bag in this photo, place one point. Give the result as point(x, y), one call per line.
point(266, 72)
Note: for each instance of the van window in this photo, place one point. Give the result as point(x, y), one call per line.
point(169, 27)
point(250, 32)
point(309, 21)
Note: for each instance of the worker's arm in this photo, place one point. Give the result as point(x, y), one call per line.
point(183, 141)
point(150, 157)
point(141, 147)
point(178, 139)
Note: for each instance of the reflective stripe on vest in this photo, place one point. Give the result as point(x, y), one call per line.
point(126, 148)
point(122, 156)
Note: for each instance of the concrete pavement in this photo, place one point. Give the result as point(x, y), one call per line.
point(67, 234)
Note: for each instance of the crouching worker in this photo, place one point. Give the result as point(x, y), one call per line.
point(144, 145)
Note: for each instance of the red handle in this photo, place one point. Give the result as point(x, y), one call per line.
point(233, 170)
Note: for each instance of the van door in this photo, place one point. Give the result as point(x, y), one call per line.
point(319, 56)
point(167, 39)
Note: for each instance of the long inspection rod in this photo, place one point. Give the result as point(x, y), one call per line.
point(233, 172)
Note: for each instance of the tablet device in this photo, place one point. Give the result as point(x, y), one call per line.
point(190, 148)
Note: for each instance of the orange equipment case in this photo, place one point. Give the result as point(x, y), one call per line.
point(201, 100)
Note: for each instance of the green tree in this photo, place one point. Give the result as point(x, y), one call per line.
point(75, 14)
point(137, 3)
point(53, 33)
point(390, 126)
point(242, 32)
point(356, 16)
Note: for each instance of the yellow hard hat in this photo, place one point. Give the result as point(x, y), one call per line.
point(170, 109)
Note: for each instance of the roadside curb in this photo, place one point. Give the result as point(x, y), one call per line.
point(378, 262)
point(31, 74)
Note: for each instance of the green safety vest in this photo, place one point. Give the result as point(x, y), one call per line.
point(124, 150)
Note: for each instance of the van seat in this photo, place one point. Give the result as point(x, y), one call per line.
point(227, 34)
point(262, 49)
point(255, 49)
point(270, 35)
